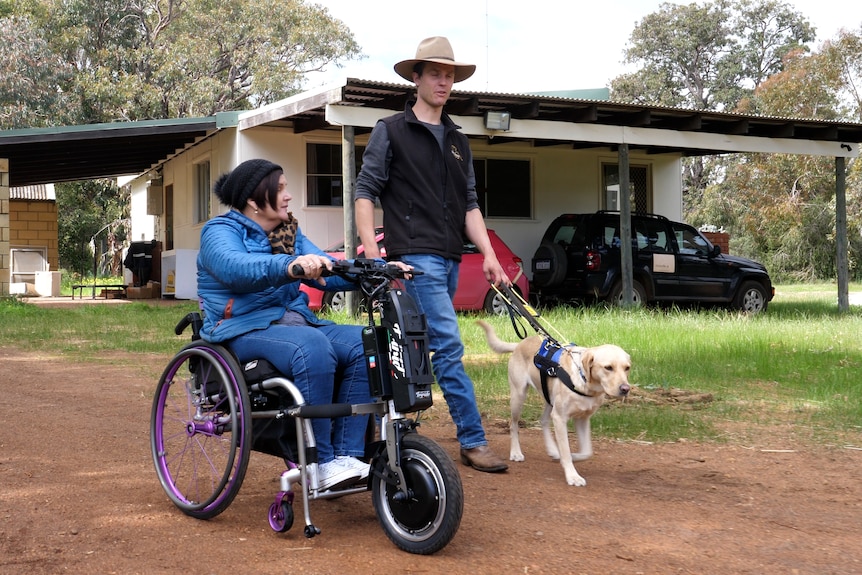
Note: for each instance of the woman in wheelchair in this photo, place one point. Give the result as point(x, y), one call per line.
point(252, 302)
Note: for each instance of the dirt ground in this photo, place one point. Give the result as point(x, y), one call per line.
point(78, 494)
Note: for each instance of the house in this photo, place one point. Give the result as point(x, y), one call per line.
point(557, 153)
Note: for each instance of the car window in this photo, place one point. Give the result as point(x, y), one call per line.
point(564, 235)
point(611, 237)
point(652, 236)
point(689, 241)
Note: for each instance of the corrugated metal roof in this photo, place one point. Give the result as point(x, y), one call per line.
point(71, 153)
point(40, 192)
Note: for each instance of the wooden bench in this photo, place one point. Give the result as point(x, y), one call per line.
point(103, 289)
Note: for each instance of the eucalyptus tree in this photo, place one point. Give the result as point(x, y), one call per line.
point(708, 56)
point(143, 59)
point(32, 91)
point(781, 208)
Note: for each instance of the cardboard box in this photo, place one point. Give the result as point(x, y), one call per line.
point(142, 292)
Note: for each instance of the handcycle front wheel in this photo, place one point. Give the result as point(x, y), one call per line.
point(428, 519)
point(200, 429)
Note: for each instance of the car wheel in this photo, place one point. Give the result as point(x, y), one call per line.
point(495, 304)
point(615, 297)
point(751, 298)
point(335, 301)
point(557, 264)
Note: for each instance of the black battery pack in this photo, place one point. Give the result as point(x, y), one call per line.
point(375, 341)
point(409, 360)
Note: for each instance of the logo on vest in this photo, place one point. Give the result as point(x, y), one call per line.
point(456, 153)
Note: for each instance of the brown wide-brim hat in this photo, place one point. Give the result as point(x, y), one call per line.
point(435, 49)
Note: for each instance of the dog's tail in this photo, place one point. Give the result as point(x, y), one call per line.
point(494, 342)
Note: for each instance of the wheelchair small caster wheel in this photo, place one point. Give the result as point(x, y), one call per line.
point(281, 516)
point(311, 531)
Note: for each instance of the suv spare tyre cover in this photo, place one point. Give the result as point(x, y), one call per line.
point(554, 275)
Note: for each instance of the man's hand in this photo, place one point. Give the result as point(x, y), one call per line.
point(494, 272)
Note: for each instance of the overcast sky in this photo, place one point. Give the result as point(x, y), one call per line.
point(525, 45)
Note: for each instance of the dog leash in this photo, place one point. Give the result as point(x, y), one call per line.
point(519, 310)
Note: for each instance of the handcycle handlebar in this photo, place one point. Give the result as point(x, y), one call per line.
point(361, 269)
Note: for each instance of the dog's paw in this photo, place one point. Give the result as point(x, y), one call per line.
point(554, 454)
point(577, 480)
point(516, 456)
point(581, 456)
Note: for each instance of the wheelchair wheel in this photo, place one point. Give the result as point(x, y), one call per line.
point(426, 521)
point(200, 429)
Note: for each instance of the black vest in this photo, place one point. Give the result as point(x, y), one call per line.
point(425, 200)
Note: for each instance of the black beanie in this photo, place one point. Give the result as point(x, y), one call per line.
point(234, 189)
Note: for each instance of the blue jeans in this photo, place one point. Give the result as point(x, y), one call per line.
point(327, 364)
point(433, 292)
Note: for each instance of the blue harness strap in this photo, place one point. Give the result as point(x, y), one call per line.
point(547, 360)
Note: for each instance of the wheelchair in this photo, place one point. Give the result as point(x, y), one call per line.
point(209, 413)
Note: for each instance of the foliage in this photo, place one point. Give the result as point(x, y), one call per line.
point(780, 209)
point(31, 93)
point(145, 59)
point(753, 56)
point(708, 56)
point(87, 209)
point(845, 55)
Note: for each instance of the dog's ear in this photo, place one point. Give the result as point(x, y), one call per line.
point(587, 360)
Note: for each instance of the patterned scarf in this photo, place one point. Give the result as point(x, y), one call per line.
point(283, 237)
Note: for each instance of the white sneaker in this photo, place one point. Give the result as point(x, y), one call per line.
point(354, 463)
point(334, 473)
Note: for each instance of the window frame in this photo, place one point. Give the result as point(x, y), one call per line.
point(202, 186)
point(484, 180)
point(312, 192)
point(605, 191)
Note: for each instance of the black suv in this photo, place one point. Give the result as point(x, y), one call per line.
point(579, 259)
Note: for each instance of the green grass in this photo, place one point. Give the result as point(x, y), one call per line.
point(792, 372)
point(91, 332)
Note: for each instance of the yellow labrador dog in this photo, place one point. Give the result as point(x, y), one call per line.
point(593, 372)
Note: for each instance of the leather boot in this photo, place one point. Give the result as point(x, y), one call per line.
point(483, 459)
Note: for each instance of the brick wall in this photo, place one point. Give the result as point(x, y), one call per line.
point(719, 239)
point(34, 223)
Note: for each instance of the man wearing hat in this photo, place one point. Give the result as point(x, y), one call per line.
point(420, 168)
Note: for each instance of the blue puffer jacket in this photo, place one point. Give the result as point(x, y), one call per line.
point(242, 285)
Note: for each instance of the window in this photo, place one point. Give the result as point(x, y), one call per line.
point(324, 173)
point(169, 217)
point(503, 187)
point(201, 182)
point(639, 185)
point(652, 235)
point(689, 241)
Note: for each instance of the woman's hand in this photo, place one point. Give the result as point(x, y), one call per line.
point(313, 266)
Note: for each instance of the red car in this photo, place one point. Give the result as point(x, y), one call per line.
point(473, 293)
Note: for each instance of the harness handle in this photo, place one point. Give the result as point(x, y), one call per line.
point(517, 305)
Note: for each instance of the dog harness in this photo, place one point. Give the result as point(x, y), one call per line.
point(547, 359)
